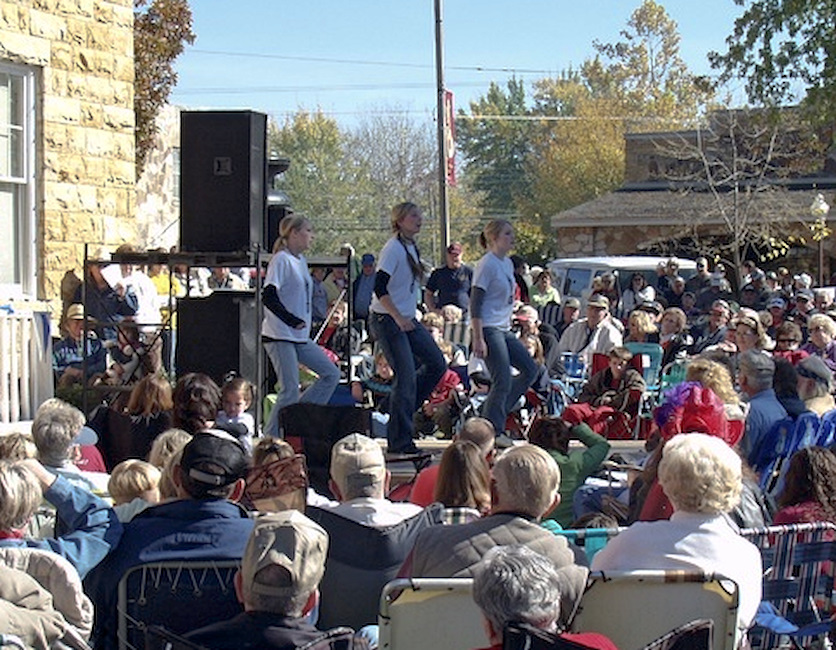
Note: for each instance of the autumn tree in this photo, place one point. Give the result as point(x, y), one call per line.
point(780, 47)
point(161, 30)
point(645, 73)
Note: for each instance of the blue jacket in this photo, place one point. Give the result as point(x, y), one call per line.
point(68, 353)
point(90, 528)
point(187, 529)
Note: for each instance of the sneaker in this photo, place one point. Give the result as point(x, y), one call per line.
point(503, 441)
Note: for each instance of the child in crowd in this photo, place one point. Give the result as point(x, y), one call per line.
point(612, 390)
point(439, 410)
point(379, 386)
point(134, 485)
point(236, 398)
point(17, 446)
point(166, 445)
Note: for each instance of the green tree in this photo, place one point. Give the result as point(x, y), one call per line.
point(494, 141)
point(161, 30)
point(321, 182)
point(780, 47)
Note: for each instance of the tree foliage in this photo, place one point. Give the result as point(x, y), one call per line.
point(161, 30)
point(347, 180)
point(646, 74)
point(494, 140)
point(780, 47)
point(321, 182)
point(534, 168)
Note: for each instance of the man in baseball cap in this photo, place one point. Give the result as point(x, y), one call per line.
point(203, 522)
point(278, 582)
point(450, 284)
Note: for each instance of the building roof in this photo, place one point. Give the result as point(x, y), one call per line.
point(655, 204)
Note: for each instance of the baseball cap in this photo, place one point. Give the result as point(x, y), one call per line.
point(803, 294)
point(776, 302)
point(804, 279)
point(526, 313)
point(597, 300)
point(217, 448)
point(455, 248)
point(288, 540)
point(75, 312)
point(85, 436)
point(367, 259)
point(572, 302)
point(357, 462)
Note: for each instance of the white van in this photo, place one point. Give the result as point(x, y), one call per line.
point(573, 276)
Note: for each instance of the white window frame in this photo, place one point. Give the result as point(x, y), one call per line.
point(26, 244)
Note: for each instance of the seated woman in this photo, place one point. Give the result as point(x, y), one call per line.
point(787, 339)
point(543, 292)
point(553, 434)
point(674, 337)
point(641, 328)
point(809, 493)
point(464, 482)
point(129, 432)
point(822, 339)
point(702, 476)
point(616, 388)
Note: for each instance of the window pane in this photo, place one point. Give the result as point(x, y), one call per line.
point(9, 208)
point(11, 125)
point(577, 280)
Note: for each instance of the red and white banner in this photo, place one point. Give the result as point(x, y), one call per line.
point(450, 137)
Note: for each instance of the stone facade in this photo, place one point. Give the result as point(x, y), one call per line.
point(157, 189)
point(82, 51)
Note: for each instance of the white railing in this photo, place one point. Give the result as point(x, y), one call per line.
point(25, 363)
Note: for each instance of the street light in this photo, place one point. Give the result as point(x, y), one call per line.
point(819, 209)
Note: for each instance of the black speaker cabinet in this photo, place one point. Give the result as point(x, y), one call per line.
point(223, 170)
point(217, 334)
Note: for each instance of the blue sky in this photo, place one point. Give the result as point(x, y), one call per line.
point(349, 57)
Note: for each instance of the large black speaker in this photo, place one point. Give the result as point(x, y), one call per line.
point(223, 170)
point(217, 334)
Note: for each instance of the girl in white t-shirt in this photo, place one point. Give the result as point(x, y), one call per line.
point(411, 352)
point(491, 305)
point(287, 297)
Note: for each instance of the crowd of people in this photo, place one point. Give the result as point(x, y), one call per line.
point(180, 473)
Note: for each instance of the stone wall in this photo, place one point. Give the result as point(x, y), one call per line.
point(83, 53)
point(157, 189)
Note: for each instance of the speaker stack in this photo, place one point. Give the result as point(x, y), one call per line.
point(223, 204)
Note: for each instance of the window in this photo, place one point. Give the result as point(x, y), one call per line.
point(17, 181)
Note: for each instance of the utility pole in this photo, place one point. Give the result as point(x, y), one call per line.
point(444, 210)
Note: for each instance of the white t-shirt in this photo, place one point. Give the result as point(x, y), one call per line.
point(289, 274)
point(403, 287)
point(495, 276)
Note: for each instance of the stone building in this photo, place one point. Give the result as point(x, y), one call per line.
point(67, 175)
point(653, 213)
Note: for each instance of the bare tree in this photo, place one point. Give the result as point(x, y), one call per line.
point(738, 174)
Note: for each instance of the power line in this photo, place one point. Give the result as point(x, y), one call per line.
point(391, 64)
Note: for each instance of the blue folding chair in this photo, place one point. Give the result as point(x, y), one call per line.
point(798, 562)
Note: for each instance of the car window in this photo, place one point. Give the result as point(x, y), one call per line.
point(577, 281)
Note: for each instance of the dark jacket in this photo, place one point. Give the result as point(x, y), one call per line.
point(257, 630)
point(187, 529)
